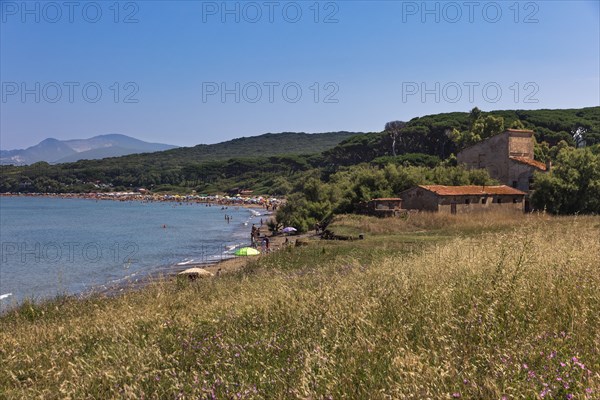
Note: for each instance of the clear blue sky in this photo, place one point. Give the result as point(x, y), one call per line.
point(370, 61)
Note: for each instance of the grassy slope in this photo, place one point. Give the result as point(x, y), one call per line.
point(435, 306)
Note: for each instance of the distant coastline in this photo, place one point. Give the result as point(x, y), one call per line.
point(267, 202)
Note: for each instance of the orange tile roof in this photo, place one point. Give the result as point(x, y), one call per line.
point(529, 161)
point(471, 190)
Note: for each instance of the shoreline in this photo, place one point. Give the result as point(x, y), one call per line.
point(170, 273)
point(269, 203)
point(157, 273)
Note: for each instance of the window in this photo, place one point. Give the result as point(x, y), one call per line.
point(467, 201)
point(514, 184)
point(515, 201)
point(483, 200)
point(499, 200)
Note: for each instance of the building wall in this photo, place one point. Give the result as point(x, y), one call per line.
point(520, 144)
point(477, 204)
point(491, 154)
point(419, 199)
point(494, 155)
point(519, 175)
point(385, 204)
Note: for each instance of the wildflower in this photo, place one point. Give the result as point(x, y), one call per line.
point(456, 395)
point(525, 366)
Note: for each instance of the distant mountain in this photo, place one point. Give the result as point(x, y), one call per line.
point(60, 151)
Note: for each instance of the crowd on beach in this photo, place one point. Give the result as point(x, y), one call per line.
point(269, 203)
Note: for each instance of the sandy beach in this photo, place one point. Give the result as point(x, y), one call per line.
point(277, 242)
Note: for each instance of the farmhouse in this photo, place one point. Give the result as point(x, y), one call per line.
point(462, 199)
point(508, 157)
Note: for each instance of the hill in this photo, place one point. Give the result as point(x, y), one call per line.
point(268, 144)
point(212, 165)
point(58, 151)
point(278, 163)
point(430, 134)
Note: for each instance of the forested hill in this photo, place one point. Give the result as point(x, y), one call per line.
point(432, 134)
point(275, 163)
point(170, 167)
point(269, 144)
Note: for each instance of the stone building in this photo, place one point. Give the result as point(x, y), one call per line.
point(382, 207)
point(508, 157)
point(462, 199)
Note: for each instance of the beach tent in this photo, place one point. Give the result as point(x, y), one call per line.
point(196, 273)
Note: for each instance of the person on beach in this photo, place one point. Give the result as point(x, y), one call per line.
point(254, 235)
point(263, 245)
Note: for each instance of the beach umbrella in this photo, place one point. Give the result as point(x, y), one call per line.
point(288, 229)
point(247, 251)
point(196, 272)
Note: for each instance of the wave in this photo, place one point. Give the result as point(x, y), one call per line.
point(186, 262)
point(4, 296)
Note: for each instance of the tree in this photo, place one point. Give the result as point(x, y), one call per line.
point(579, 134)
point(488, 126)
point(393, 129)
point(465, 138)
point(517, 124)
point(573, 184)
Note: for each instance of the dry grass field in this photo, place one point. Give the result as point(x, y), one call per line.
point(439, 307)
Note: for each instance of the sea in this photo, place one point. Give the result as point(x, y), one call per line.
point(57, 246)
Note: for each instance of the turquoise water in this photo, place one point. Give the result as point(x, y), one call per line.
point(56, 246)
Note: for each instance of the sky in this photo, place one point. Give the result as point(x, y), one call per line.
point(191, 72)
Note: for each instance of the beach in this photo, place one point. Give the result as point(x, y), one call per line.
point(236, 263)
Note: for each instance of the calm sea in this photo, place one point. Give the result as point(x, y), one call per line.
point(56, 246)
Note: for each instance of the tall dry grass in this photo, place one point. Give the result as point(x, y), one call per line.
point(505, 314)
point(430, 221)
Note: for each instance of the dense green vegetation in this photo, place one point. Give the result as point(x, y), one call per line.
point(573, 185)
point(433, 307)
point(314, 200)
point(444, 134)
point(344, 168)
